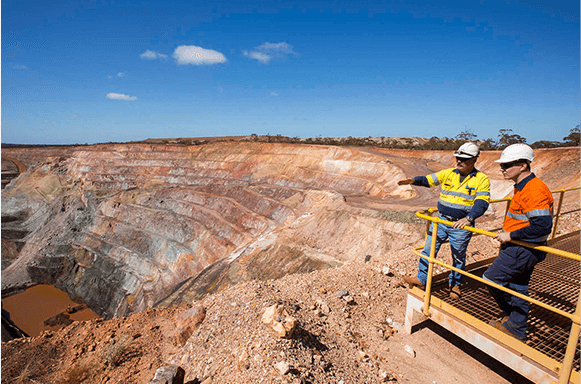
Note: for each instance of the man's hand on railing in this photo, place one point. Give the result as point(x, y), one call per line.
point(503, 237)
point(461, 223)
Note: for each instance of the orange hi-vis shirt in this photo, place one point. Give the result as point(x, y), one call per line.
point(531, 205)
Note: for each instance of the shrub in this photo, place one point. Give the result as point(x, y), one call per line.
point(114, 352)
point(79, 372)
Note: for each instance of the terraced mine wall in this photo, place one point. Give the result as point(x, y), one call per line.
point(131, 226)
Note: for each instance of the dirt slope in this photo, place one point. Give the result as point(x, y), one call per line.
point(357, 342)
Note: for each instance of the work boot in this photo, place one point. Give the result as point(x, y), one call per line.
point(455, 292)
point(413, 282)
point(499, 324)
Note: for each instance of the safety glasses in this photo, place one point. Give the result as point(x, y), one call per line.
point(506, 166)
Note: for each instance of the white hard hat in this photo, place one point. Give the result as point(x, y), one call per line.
point(516, 152)
point(467, 151)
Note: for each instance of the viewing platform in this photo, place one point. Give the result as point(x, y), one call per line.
point(551, 352)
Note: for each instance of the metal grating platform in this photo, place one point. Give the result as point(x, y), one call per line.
point(555, 281)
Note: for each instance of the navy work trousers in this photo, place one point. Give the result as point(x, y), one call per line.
point(513, 269)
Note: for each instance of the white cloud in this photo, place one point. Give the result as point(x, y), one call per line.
point(19, 67)
point(120, 96)
point(151, 55)
point(267, 51)
point(273, 94)
point(121, 74)
point(278, 47)
point(109, 77)
point(262, 57)
point(190, 54)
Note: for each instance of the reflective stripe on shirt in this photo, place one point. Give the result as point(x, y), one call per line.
point(458, 193)
point(465, 208)
point(433, 180)
point(517, 217)
point(538, 212)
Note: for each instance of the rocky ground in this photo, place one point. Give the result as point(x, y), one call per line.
point(356, 338)
point(349, 330)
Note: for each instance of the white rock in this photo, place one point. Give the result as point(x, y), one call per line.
point(324, 307)
point(410, 350)
point(386, 376)
point(283, 367)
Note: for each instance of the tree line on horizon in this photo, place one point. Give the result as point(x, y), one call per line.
point(505, 138)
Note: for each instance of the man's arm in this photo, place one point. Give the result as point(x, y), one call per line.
point(422, 181)
point(480, 206)
point(539, 226)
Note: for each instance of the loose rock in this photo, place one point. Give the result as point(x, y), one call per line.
point(283, 367)
point(410, 351)
point(169, 374)
point(279, 320)
point(349, 299)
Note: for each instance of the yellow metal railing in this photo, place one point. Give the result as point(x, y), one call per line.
point(559, 205)
point(567, 364)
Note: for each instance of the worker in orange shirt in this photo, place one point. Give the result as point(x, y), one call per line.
point(530, 219)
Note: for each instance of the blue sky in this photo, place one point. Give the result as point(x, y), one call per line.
point(116, 70)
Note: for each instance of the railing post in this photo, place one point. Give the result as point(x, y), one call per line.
point(428, 293)
point(558, 213)
point(507, 206)
point(571, 346)
point(428, 222)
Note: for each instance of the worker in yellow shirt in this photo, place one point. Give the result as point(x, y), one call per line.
point(464, 196)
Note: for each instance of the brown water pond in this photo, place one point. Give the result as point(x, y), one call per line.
point(44, 307)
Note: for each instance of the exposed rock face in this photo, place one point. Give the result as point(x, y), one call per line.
point(9, 329)
point(187, 321)
point(129, 227)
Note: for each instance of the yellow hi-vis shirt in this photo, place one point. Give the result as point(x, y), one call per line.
point(458, 197)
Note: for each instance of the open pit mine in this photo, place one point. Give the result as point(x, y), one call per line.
point(127, 227)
